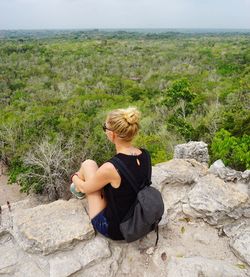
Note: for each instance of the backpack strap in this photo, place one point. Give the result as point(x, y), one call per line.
point(149, 166)
point(157, 232)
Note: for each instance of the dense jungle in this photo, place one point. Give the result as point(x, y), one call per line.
point(57, 87)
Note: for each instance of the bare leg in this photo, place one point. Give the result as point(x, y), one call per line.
point(96, 200)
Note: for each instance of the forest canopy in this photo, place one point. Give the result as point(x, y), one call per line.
point(56, 90)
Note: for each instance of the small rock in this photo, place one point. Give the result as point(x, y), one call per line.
point(150, 251)
point(164, 256)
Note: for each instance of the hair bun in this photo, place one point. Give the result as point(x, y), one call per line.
point(124, 122)
point(131, 115)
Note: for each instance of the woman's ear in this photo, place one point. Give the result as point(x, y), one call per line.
point(113, 136)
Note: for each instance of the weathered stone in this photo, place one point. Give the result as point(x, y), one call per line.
point(6, 217)
point(200, 266)
point(239, 233)
point(173, 197)
point(240, 245)
point(8, 256)
point(191, 212)
point(14, 262)
point(107, 267)
point(159, 175)
point(219, 169)
point(134, 263)
point(52, 227)
point(63, 266)
point(215, 199)
point(192, 150)
point(189, 239)
point(94, 251)
point(246, 176)
point(199, 237)
point(246, 210)
point(173, 179)
point(178, 171)
point(164, 218)
point(29, 268)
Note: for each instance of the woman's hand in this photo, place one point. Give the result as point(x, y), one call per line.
point(76, 177)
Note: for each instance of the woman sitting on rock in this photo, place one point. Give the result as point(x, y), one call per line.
point(108, 194)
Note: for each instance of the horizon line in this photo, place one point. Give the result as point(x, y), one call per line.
point(127, 28)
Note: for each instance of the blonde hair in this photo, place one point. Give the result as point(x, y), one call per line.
point(124, 122)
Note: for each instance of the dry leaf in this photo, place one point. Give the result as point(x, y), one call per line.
point(241, 266)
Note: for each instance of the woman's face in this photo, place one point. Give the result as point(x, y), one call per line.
point(110, 134)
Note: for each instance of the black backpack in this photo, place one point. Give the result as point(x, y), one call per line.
point(147, 211)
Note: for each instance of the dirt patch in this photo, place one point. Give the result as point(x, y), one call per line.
point(8, 192)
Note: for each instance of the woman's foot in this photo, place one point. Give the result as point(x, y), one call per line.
point(77, 194)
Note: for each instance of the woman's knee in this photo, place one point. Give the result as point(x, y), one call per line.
point(88, 163)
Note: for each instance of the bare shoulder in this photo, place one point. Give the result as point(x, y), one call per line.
point(107, 169)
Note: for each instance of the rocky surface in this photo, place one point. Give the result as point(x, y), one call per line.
point(192, 150)
point(205, 231)
point(215, 200)
point(199, 266)
point(228, 174)
point(55, 226)
point(239, 234)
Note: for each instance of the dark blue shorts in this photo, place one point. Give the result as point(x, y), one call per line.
point(100, 223)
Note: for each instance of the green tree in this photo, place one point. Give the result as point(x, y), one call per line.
point(234, 151)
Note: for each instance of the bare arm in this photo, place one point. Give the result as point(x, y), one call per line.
point(104, 175)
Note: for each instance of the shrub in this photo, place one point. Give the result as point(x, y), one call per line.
point(234, 151)
point(46, 168)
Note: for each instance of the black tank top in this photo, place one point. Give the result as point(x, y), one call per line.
point(119, 200)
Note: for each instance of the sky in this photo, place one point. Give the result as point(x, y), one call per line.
point(81, 14)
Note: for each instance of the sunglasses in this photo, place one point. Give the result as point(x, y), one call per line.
point(105, 128)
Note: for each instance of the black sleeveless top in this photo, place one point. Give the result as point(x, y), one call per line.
point(119, 200)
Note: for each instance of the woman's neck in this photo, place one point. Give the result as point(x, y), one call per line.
point(126, 148)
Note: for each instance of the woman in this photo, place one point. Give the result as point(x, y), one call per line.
point(108, 194)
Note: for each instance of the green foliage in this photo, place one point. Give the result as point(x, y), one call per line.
point(181, 126)
point(15, 169)
point(235, 152)
point(155, 146)
point(188, 87)
point(180, 90)
point(236, 115)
